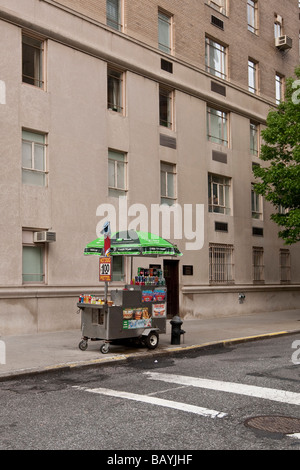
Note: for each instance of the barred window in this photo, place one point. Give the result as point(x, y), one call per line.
point(258, 264)
point(285, 266)
point(221, 265)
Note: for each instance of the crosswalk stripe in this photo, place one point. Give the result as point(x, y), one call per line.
point(282, 396)
point(155, 401)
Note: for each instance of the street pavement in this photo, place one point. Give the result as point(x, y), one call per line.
point(41, 352)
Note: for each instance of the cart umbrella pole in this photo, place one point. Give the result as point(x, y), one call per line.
point(106, 233)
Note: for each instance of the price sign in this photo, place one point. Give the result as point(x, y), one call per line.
point(105, 269)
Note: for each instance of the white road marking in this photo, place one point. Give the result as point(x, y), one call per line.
point(296, 435)
point(282, 396)
point(155, 401)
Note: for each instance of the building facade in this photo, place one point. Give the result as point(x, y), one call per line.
point(148, 114)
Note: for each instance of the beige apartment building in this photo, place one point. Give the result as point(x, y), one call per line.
point(128, 109)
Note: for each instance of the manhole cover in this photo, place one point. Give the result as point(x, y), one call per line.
point(279, 424)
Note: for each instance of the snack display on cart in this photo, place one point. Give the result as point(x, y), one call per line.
point(138, 311)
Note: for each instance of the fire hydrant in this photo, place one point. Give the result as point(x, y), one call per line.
point(176, 323)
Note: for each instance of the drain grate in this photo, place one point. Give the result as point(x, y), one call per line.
point(277, 424)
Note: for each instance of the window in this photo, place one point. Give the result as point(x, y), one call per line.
point(221, 264)
point(168, 183)
point(215, 58)
point(33, 259)
point(252, 16)
point(165, 32)
point(252, 76)
point(32, 61)
point(285, 266)
point(218, 194)
point(278, 88)
point(217, 129)
point(258, 264)
point(34, 158)
point(113, 14)
point(219, 5)
point(256, 205)
point(116, 173)
point(165, 107)
point(115, 90)
point(254, 139)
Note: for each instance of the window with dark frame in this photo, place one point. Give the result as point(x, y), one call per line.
point(32, 61)
point(115, 90)
point(165, 107)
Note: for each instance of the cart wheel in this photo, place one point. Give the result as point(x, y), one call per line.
point(104, 348)
point(83, 345)
point(151, 340)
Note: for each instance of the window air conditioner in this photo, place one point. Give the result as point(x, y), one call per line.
point(44, 237)
point(283, 42)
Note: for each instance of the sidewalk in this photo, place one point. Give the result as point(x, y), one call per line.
point(56, 350)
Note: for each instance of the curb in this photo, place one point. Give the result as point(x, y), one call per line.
point(22, 373)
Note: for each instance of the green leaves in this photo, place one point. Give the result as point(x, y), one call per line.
point(279, 181)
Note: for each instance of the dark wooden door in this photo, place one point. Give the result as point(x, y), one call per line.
point(171, 275)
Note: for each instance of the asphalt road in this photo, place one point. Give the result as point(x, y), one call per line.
point(245, 397)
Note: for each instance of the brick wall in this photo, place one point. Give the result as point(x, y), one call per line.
point(192, 22)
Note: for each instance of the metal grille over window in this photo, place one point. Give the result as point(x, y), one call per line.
point(285, 266)
point(221, 265)
point(258, 264)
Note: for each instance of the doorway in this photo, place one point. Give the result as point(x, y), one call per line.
point(171, 275)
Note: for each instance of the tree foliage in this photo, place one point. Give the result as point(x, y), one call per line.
point(279, 180)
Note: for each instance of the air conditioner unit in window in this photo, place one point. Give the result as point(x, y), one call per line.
point(283, 42)
point(44, 237)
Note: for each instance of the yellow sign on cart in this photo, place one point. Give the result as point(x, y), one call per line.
point(105, 268)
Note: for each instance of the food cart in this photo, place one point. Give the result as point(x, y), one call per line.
point(138, 312)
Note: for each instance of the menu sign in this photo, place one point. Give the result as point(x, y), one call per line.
point(105, 268)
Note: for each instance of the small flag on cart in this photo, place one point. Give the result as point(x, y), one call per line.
point(106, 232)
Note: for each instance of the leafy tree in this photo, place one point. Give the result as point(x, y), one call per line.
point(279, 182)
